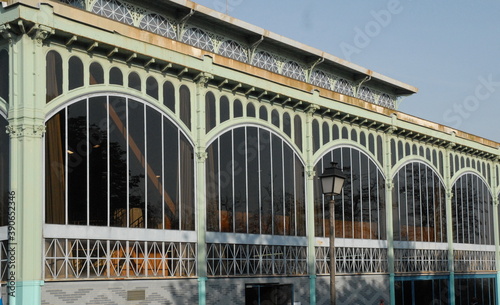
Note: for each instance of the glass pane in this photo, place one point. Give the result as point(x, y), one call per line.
point(185, 106)
point(280, 220)
point(275, 118)
point(96, 74)
point(75, 73)
point(224, 109)
point(53, 75)
point(116, 76)
point(287, 124)
point(118, 175)
point(316, 135)
point(187, 184)
point(297, 129)
point(265, 180)
point(238, 109)
point(326, 133)
point(250, 110)
point(134, 81)
point(98, 161)
point(263, 113)
point(171, 175)
point(77, 163)
point(210, 111)
point(4, 172)
point(55, 167)
point(152, 87)
point(136, 156)
point(289, 190)
point(212, 168)
point(4, 75)
point(169, 95)
point(154, 169)
point(226, 182)
point(252, 157)
point(300, 197)
point(240, 171)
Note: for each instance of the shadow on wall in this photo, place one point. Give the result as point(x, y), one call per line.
point(354, 290)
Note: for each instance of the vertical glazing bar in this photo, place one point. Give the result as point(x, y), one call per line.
point(87, 127)
point(108, 173)
point(128, 161)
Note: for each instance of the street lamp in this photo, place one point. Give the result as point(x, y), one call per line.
point(332, 181)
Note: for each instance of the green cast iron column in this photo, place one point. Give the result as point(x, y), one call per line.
point(449, 224)
point(388, 215)
point(26, 129)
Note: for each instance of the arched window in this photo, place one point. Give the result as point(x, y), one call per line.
point(116, 76)
point(158, 25)
point(335, 132)
point(472, 207)
point(275, 118)
point(232, 49)
point(4, 171)
point(238, 109)
point(152, 87)
point(134, 81)
point(255, 184)
point(210, 111)
point(250, 110)
point(185, 105)
point(320, 79)
point(198, 38)
point(224, 109)
point(297, 130)
point(266, 61)
point(114, 161)
point(114, 10)
point(316, 135)
point(345, 133)
point(354, 135)
point(75, 73)
point(96, 74)
point(4, 75)
point(53, 75)
point(326, 133)
point(263, 113)
point(419, 196)
point(294, 70)
point(169, 95)
point(360, 209)
point(287, 124)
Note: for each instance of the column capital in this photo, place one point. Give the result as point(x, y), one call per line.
point(389, 185)
point(202, 156)
point(311, 174)
point(25, 130)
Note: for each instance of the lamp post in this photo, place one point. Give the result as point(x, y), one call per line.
point(332, 182)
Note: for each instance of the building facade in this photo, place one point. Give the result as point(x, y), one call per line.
point(159, 152)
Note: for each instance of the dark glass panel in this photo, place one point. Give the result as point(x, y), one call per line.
point(96, 74)
point(224, 109)
point(77, 163)
point(263, 113)
point(408, 149)
point(187, 184)
point(326, 133)
point(345, 133)
point(210, 111)
point(354, 135)
point(362, 139)
point(297, 129)
point(212, 165)
point(55, 193)
point(98, 161)
point(287, 124)
point(4, 75)
point(289, 190)
point(250, 110)
point(300, 197)
point(380, 148)
point(238, 109)
point(137, 171)
point(371, 143)
point(226, 182)
point(316, 135)
point(134, 81)
point(400, 150)
point(118, 175)
point(319, 213)
point(53, 75)
point(441, 163)
point(421, 151)
point(366, 229)
point(344, 213)
point(252, 156)
point(393, 152)
point(152, 87)
point(275, 118)
point(266, 181)
point(335, 132)
point(154, 175)
point(169, 95)
point(115, 76)
point(185, 105)
point(75, 73)
point(240, 184)
point(356, 193)
point(171, 175)
point(280, 220)
point(55, 167)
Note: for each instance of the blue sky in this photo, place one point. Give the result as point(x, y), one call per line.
point(448, 49)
